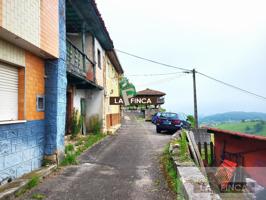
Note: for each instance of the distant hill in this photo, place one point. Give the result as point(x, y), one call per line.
point(251, 127)
point(233, 116)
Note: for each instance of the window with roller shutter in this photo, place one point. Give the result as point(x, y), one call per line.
point(8, 92)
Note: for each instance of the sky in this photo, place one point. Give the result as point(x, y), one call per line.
point(224, 39)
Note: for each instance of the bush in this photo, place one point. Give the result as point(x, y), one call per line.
point(76, 123)
point(95, 124)
point(258, 127)
point(191, 119)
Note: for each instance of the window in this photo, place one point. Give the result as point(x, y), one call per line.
point(40, 103)
point(8, 92)
point(170, 115)
point(99, 58)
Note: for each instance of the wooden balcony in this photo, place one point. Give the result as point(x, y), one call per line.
point(78, 63)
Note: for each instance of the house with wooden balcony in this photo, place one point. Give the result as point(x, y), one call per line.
point(150, 110)
point(89, 49)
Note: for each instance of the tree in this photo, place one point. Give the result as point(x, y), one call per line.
point(247, 129)
point(258, 127)
point(191, 119)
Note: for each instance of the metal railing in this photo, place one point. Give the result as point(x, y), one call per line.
point(78, 63)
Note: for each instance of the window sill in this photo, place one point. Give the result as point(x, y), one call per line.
point(13, 122)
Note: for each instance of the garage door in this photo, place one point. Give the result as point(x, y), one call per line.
point(8, 92)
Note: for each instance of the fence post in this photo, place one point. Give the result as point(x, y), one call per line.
point(206, 151)
point(199, 147)
point(212, 153)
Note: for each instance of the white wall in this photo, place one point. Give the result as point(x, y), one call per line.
point(94, 104)
point(78, 94)
point(99, 71)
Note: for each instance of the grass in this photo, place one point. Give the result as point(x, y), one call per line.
point(69, 148)
point(38, 196)
point(170, 172)
point(70, 159)
point(183, 154)
point(245, 127)
point(209, 155)
point(140, 118)
point(82, 144)
point(34, 181)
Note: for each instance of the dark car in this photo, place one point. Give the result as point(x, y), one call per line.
point(155, 117)
point(184, 121)
point(168, 121)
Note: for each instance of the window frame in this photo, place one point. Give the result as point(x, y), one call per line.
point(37, 103)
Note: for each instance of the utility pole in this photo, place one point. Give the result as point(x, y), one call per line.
point(195, 99)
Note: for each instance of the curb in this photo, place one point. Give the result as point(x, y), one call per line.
point(9, 190)
point(192, 180)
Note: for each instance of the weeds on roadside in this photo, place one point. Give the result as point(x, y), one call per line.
point(76, 123)
point(38, 196)
point(95, 124)
point(73, 151)
point(169, 169)
point(69, 148)
point(183, 153)
point(70, 159)
point(170, 172)
point(34, 181)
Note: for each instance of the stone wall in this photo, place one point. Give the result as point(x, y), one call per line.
point(21, 148)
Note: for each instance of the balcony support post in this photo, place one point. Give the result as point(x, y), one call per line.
point(83, 45)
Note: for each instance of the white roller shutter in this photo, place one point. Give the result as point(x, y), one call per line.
point(8, 92)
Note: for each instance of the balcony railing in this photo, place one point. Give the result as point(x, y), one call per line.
point(78, 63)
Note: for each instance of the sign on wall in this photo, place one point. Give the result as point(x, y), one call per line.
point(133, 101)
point(128, 95)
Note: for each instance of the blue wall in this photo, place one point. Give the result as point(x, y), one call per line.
point(21, 148)
point(55, 87)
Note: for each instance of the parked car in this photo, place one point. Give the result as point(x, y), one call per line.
point(184, 121)
point(168, 121)
point(155, 117)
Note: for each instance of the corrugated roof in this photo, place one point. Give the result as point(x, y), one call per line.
point(150, 92)
point(79, 11)
point(245, 135)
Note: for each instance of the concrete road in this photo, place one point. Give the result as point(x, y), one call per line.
point(124, 166)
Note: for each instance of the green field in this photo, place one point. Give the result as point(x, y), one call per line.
point(252, 127)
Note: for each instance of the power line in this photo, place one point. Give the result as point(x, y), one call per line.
point(232, 86)
point(152, 61)
point(163, 80)
point(163, 74)
point(190, 71)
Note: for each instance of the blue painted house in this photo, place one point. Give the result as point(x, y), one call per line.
point(53, 59)
point(32, 84)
